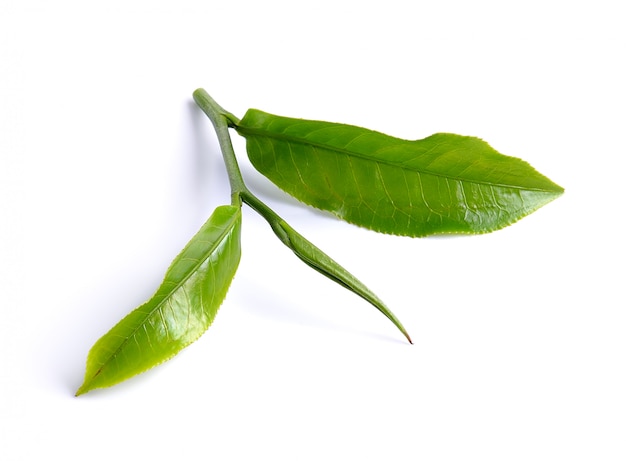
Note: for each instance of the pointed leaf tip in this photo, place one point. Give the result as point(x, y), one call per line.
point(325, 265)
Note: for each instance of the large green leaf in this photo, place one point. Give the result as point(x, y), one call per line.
point(179, 312)
point(444, 183)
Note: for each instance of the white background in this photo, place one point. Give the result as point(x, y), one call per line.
point(107, 169)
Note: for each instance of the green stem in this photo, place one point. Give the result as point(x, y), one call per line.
point(268, 214)
point(222, 120)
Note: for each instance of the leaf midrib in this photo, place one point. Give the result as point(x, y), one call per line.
point(174, 289)
point(319, 145)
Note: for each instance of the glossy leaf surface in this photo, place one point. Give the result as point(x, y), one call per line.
point(324, 264)
point(179, 312)
point(444, 183)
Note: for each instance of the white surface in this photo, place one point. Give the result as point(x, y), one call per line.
point(107, 168)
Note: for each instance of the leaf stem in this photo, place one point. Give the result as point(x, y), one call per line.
point(267, 213)
point(222, 120)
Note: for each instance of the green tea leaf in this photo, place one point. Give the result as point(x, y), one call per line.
point(179, 312)
point(324, 264)
point(444, 183)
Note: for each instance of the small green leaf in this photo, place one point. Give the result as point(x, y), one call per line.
point(444, 183)
point(179, 312)
point(324, 264)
